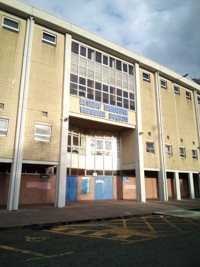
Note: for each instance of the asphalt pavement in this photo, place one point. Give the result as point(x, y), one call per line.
point(44, 216)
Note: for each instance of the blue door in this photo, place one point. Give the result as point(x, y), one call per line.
point(71, 188)
point(103, 188)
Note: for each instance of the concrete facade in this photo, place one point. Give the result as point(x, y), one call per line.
point(73, 104)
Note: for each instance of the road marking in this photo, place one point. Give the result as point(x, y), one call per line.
point(39, 255)
point(124, 223)
point(35, 238)
point(170, 223)
point(149, 225)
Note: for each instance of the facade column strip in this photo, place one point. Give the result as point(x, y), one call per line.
point(191, 185)
point(162, 174)
point(139, 155)
point(61, 175)
point(15, 176)
point(197, 117)
point(177, 186)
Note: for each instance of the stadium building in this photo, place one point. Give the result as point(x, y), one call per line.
point(82, 118)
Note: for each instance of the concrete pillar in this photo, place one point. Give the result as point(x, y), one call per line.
point(197, 117)
point(162, 173)
point(177, 186)
point(15, 176)
point(62, 165)
point(139, 157)
point(191, 185)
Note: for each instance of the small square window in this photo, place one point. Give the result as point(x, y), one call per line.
point(10, 24)
point(1, 106)
point(49, 38)
point(42, 132)
point(182, 152)
point(44, 114)
point(3, 127)
point(194, 154)
point(168, 150)
point(176, 90)
point(146, 77)
point(188, 95)
point(150, 147)
point(163, 84)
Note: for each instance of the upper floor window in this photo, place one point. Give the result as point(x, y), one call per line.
point(3, 127)
point(163, 84)
point(146, 77)
point(150, 147)
point(10, 24)
point(198, 99)
point(168, 150)
point(182, 152)
point(49, 38)
point(188, 95)
point(194, 154)
point(176, 90)
point(42, 132)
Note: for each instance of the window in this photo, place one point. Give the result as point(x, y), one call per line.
point(42, 132)
point(163, 84)
point(49, 38)
point(198, 99)
point(146, 77)
point(176, 90)
point(182, 152)
point(1, 106)
point(150, 147)
point(44, 114)
point(75, 47)
point(168, 150)
point(194, 154)
point(10, 24)
point(188, 95)
point(3, 127)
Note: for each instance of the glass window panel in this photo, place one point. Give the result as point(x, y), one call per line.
point(105, 60)
point(125, 69)
point(98, 96)
point(125, 102)
point(49, 38)
point(131, 96)
point(90, 54)
point(74, 59)
point(97, 86)
point(112, 62)
point(83, 51)
point(131, 87)
point(69, 140)
point(112, 90)
point(112, 100)
point(132, 105)
point(119, 104)
point(105, 88)
point(108, 145)
point(105, 98)
point(75, 140)
point(130, 70)
point(73, 78)
point(90, 93)
point(75, 47)
point(11, 24)
point(3, 127)
point(98, 57)
point(118, 65)
point(82, 71)
point(99, 144)
point(90, 83)
point(73, 89)
point(119, 92)
point(42, 132)
point(82, 80)
point(125, 94)
point(74, 68)
point(82, 90)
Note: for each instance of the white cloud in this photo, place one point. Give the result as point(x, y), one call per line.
point(164, 31)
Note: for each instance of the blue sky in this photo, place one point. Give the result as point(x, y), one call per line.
point(165, 31)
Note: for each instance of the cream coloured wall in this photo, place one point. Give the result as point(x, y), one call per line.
point(11, 53)
point(149, 120)
point(128, 147)
point(45, 94)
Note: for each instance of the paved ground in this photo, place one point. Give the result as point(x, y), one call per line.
point(85, 211)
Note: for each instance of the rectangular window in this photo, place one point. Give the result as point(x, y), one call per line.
point(194, 154)
point(188, 95)
point(118, 65)
point(198, 99)
point(146, 77)
point(98, 57)
point(3, 127)
point(182, 152)
point(176, 90)
point(10, 24)
point(168, 150)
point(163, 84)
point(49, 38)
point(83, 51)
point(150, 147)
point(105, 60)
point(42, 132)
point(75, 48)
point(1, 106)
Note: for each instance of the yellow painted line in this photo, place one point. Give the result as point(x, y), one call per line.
point(171, 224)
point(52, 256)
point(77, 232)
point(22, 251)
point(97, 234)
point(122, 236)
point(124, 223)
point(149, 226)
point(192, 222)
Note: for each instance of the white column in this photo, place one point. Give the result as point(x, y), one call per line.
point(197, 117)
point(177, 186)
point(62, 165)
point(191, 185)
point(162, 173)
point(139, 157)
point(15, 176)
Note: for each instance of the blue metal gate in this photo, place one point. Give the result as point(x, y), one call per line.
point(103, 188)
point(71, 188)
